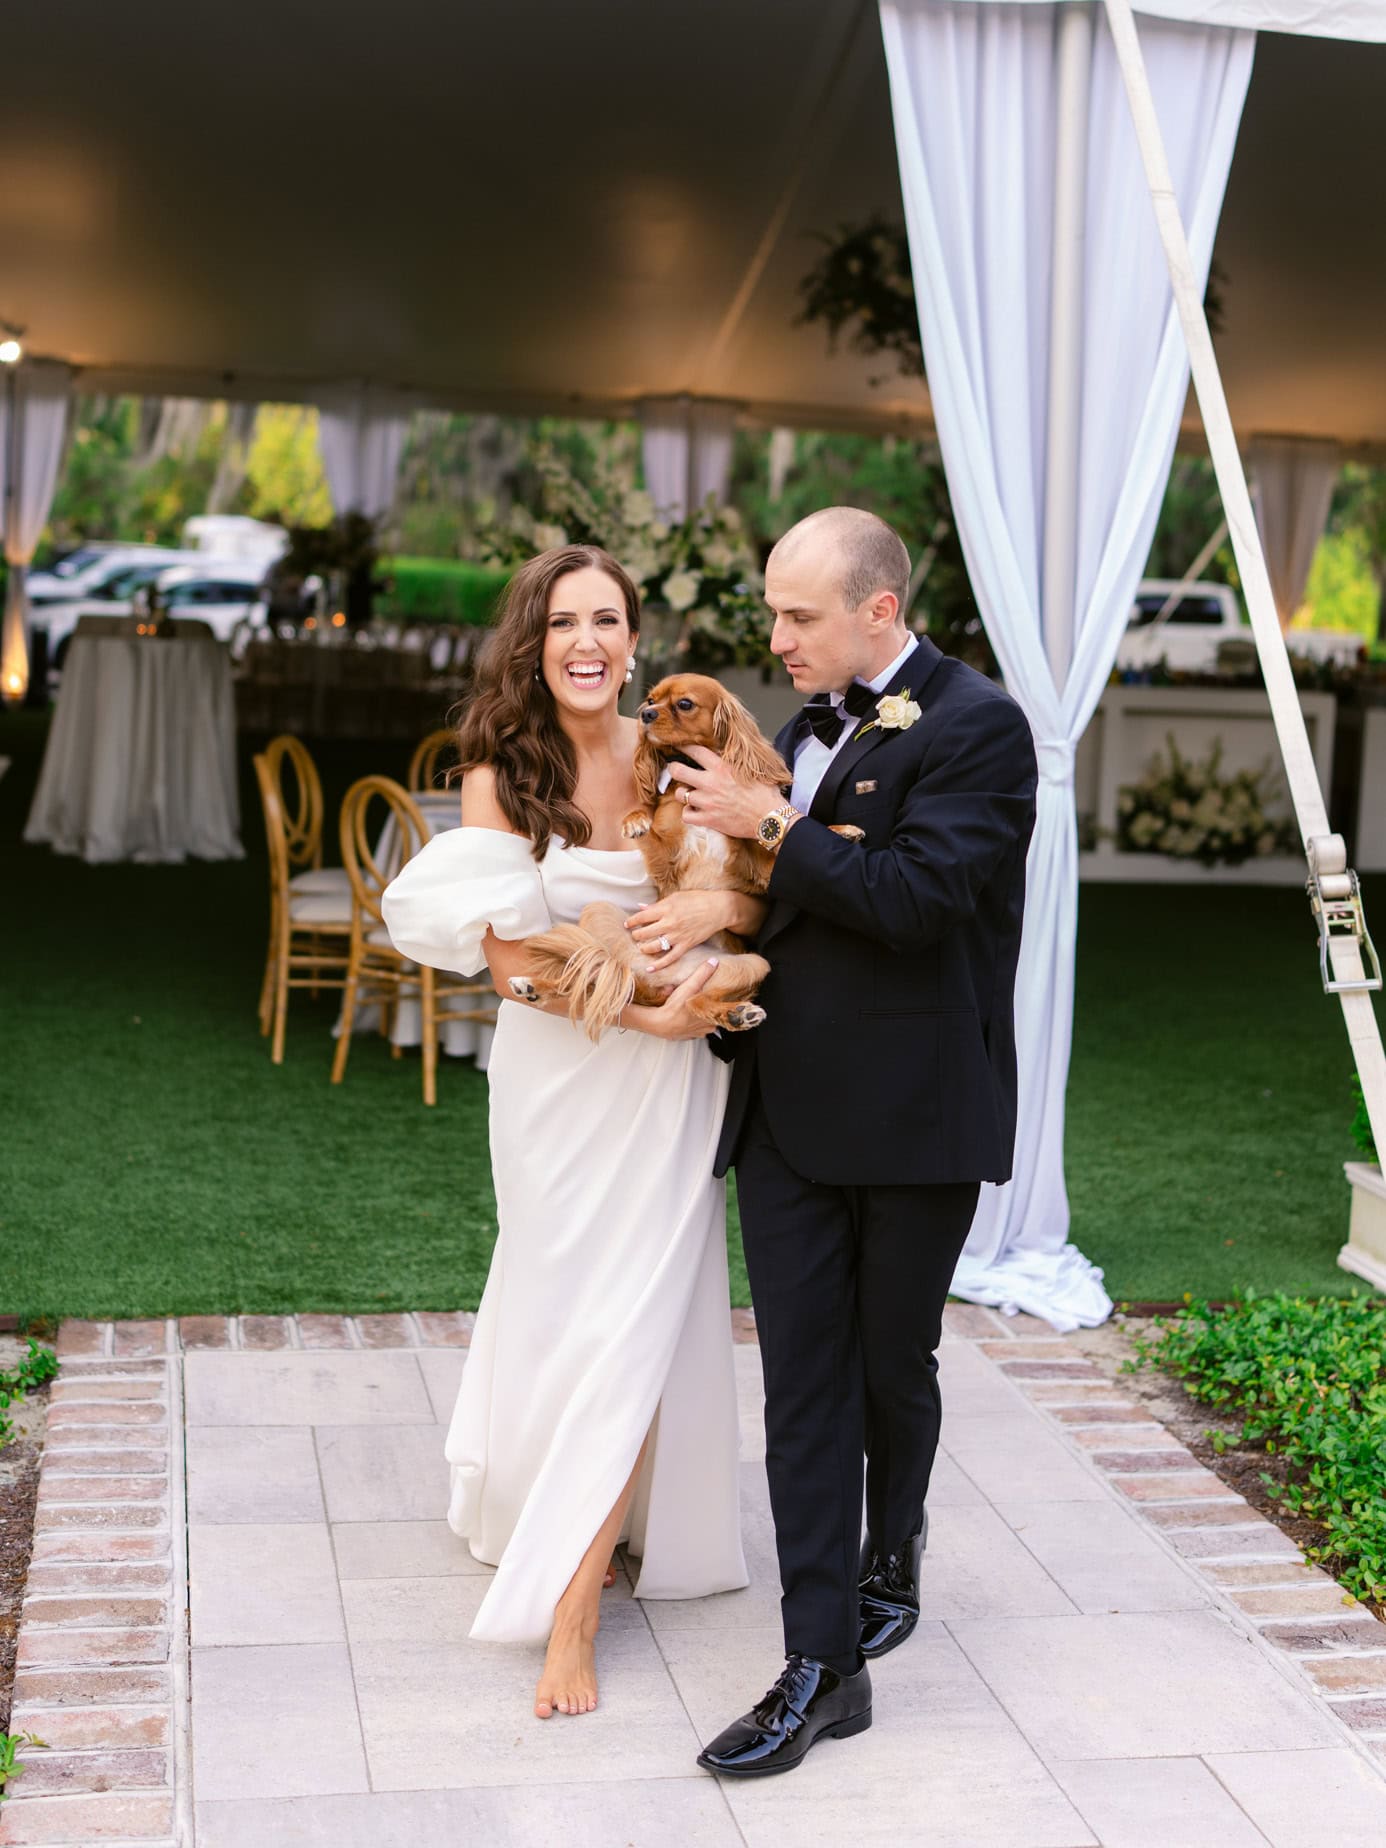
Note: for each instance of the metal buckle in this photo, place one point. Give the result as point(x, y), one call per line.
point(1338, 917)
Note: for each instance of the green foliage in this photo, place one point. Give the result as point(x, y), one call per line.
point(1361, 1123)
point(1308, 1380)
point(901, 480)
point(1342, 592)
point(1190, 514)
point(9, 1749)
point(442, 589)
point(36, 1366)
point(284, 471)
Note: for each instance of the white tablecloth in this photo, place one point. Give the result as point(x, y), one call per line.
point(141, 757)
point(459, 1039)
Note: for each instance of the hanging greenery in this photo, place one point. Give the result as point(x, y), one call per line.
point(862, 288)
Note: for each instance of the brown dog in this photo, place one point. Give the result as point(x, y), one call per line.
point(593, 963)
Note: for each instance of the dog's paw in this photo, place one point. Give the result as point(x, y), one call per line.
point(636, 826)
point(848, 832)
point(523, 989)
point(742, 1017)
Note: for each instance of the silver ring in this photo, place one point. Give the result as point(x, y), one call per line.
point(665, 945)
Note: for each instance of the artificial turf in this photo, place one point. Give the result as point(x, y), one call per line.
point(154, 1162)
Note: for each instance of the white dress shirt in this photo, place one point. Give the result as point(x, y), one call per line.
point(813, 756)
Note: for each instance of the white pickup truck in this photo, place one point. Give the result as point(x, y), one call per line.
point(1204, 617)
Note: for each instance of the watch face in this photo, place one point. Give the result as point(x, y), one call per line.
point(771, 828)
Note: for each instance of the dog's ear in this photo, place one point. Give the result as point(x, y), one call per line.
point(646, 772)
point(746, 753)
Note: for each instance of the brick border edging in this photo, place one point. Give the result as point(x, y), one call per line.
point(1312, 1628)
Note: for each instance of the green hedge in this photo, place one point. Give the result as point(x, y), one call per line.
point(441, 590)
point(1308, 1380)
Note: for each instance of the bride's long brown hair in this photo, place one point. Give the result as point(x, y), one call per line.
point(510, 721)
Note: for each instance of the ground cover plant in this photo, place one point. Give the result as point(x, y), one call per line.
point(35, 1366)
point(1306, 1383)
point(156, 1163)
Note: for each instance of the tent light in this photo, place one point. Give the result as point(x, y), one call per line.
point(311, 623)
point(10, 352)
point(339, 619)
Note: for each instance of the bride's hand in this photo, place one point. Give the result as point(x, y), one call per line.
point(669, 928)
point(675, 1019)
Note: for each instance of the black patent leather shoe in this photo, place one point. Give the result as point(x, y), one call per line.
point(889, 1596)
point(810, 1701)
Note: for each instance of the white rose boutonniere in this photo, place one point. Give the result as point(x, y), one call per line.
point(894, 712)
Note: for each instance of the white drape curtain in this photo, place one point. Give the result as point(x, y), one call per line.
point(1293, 481)
point(686, 446)
point(33, 450)
point(361, 435)
point(973, 91)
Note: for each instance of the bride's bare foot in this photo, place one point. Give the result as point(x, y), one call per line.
point(569, 1681)
point(609, 1576)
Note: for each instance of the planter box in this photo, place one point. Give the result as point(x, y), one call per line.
point(1365, 1252)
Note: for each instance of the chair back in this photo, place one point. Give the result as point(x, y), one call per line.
point(372, 862)
point(301, 810)
point(276, 828)
point(423, 765)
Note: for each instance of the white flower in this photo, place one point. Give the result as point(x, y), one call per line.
point(718, 555)
point(547, 537)
point(642, 562)
point(681, 589)
point(730, 518)
point(897, 711)
point(638, 508)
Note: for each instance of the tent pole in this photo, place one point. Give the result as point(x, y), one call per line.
point(1332, 885)
point(1063, 410)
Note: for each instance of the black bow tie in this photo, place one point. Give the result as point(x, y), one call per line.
point(824, 717)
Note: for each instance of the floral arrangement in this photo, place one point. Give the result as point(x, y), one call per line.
point(701, 569)
point(1187, 809)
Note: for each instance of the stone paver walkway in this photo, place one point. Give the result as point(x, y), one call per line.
point(1115, 1649)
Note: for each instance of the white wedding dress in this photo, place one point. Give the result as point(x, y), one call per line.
point(605, 1313)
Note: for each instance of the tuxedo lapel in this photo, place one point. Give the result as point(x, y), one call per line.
point(912, 675)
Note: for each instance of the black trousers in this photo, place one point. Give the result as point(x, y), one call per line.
point(849, 1285)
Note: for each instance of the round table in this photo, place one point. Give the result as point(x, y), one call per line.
point(141, 755)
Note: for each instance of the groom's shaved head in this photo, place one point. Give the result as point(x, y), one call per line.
point(868, 555)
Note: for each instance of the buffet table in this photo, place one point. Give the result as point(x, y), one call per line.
point(141, 756)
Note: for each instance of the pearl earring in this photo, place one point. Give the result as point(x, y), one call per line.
point(630, 670)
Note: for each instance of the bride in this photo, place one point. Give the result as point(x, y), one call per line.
point(598, 1398)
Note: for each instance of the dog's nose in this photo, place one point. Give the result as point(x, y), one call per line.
point(648, 714)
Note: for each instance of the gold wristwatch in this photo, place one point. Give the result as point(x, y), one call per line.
point(772, 828)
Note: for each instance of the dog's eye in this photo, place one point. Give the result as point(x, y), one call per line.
point(684, 705)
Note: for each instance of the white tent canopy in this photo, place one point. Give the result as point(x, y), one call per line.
point(547, 208)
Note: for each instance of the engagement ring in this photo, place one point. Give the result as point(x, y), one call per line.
point(665, 945)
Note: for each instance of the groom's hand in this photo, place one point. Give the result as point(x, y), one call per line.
point(712, 797)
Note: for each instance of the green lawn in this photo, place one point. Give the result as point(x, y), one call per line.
point(153, 1161)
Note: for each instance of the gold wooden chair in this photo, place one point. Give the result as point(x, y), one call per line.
point(376, 972)
point(423, 765)
point(300, 797)
point(309, 930)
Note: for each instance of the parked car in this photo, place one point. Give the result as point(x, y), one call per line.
point(104, 588)
point(86, 572)
point(1204, 617)
point(220, 592)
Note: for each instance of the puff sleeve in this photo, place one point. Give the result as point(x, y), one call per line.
point(439, 906)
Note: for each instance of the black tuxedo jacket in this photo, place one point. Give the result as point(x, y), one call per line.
point(887, 1054)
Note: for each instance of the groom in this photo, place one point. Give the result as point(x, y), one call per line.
point(876, 1097)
